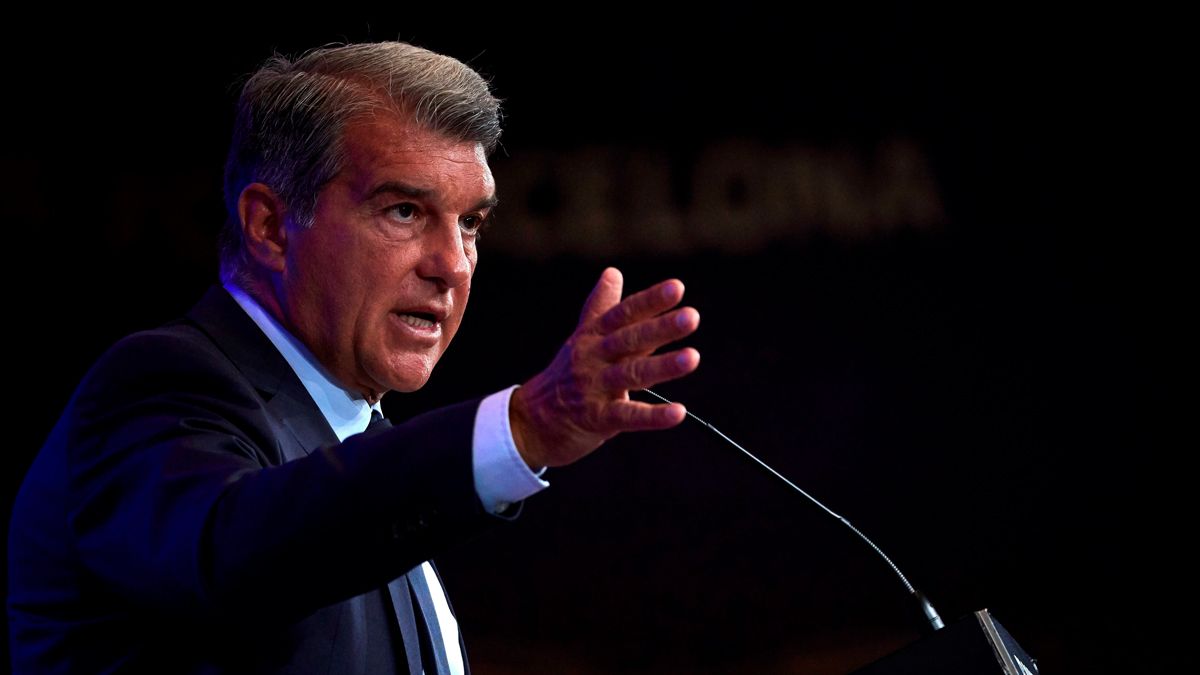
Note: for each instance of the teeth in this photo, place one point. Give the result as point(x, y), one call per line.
point(416, 321)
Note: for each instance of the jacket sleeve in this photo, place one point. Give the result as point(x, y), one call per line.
point(179, 499)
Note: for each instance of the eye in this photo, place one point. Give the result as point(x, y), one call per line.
point(472, 224)
point(405, 212)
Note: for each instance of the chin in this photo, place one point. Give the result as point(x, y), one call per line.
point(404, 372)
point(407, 380)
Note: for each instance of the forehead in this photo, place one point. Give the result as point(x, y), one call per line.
point(389, 147)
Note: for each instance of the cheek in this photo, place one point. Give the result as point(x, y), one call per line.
point(461, 295)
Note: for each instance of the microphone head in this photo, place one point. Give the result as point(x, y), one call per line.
point(932, 621)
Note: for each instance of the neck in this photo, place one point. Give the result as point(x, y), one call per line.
point(263, 293)
point(265, 297)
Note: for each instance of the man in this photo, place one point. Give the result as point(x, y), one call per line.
point(208, 503)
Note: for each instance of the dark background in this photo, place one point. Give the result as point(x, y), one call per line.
point(977, 396)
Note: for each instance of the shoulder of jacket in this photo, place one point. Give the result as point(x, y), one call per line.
point(177, 355)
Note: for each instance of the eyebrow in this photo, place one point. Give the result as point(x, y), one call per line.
point(413, 192)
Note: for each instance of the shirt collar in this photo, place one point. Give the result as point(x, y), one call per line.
point(346, 412)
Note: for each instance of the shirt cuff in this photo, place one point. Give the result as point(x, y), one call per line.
point(501, 476)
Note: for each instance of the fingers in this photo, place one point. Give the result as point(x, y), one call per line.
point(644, 337)
point(647, 371)
point(639, 416)
point(604, 296)
point(582, 398)
point(642, 305)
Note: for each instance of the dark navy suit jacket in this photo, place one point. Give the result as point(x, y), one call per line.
point(192, 511)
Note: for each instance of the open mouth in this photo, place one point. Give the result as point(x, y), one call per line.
point(418, 319)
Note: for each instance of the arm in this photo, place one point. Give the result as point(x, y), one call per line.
point(180, 499)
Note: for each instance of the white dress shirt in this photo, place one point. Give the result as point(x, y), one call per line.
point(501, 476)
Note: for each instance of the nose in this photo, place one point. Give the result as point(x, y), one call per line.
point(446, 258)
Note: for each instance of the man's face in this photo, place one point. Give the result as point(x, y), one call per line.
point(376, 288)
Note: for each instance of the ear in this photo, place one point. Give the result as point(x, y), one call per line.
point(263, 217)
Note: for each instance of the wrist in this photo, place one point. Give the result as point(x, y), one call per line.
point(522, 424)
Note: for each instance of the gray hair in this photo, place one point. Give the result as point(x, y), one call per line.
point(291, 116)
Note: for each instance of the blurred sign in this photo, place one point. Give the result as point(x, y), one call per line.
point(737, 196)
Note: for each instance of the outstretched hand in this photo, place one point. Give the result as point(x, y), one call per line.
point(582, 398)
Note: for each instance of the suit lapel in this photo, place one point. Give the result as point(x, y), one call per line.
point(462, 644)
point(220, 317)
point(402, 605)
point(236, 334)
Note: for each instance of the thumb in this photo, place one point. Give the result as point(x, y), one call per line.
point(604, 296)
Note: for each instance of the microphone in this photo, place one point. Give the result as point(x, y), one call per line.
point(931, 616)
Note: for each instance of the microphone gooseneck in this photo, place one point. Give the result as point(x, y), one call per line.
point(927, 610)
